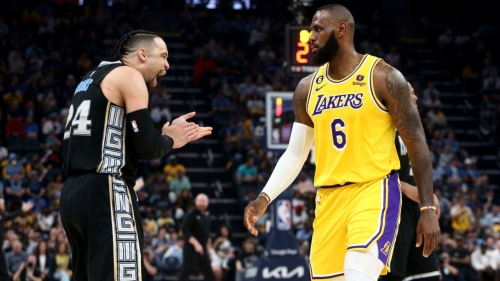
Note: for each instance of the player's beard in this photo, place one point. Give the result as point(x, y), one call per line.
point(327, 52)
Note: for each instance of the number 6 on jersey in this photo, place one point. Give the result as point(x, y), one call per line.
point(80, 120)
point(338, 136)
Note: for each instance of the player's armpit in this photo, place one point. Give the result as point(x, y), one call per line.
point(299, 101)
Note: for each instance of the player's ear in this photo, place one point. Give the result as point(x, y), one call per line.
point(141, 53)
point(341, 29)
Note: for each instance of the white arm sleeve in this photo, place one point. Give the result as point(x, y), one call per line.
point(291, 162)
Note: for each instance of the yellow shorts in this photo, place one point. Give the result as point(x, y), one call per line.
point(354, 217)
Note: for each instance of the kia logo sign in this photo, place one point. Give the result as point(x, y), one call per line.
point(281, 272)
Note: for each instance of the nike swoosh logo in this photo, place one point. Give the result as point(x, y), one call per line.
point(317, 89)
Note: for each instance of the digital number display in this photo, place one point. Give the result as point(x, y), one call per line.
point(299, 56)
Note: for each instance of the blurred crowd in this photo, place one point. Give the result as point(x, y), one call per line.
point(238, 57)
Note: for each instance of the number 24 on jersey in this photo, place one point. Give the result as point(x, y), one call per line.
point(78, 123)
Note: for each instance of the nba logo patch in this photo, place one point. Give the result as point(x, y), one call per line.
point(283, 215)
point(360, 77)
point(134, 126)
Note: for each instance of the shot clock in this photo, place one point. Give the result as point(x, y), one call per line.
point(298, 51)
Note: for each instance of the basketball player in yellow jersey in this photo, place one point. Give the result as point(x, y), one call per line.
point(351, 107)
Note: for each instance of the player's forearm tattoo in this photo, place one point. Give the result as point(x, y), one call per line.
point(407, 119)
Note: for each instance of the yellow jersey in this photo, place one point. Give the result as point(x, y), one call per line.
point(353, 131)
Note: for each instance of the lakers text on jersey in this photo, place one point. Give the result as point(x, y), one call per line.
point(353, 132)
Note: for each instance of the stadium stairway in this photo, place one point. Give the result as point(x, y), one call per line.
point(204, 159)
point(461, 110)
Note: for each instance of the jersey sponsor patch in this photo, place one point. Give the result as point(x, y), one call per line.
point(134, 126)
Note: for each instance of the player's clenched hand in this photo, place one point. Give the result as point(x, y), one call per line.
point(253, 212)
point(428, 230)
point(181, 134)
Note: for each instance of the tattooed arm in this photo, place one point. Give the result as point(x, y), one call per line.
point(299, 102)
point(392, 89)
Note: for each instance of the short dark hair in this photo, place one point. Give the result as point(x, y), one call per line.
point(338, 11)
point(130, 42)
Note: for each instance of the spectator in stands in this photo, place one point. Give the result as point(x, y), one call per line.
point(492, 81)
point(393, 57)
point(461, 215)
point(14, 166)
point(246, 173)
point(448, 271)
point(247, 87)
point(183, 204)
point(247, 258)
point(430, 91)
point(223, 246)
point(246, 177)
point(256, 107)
point(17, 260)
point(445, 156)
point(45, 220)
point(51, 125)
point(179, 183)
point(489, 218)
point(172, 168)
point(299, 217)
point(54, 189)
point(15, 190)
point(30, 128)
point(35, 188)
point(454, 171)
point(45, 263)
point(15, 127)
point(203, 66)
point(63, 263)
point(304, 184)
point(220, 108)
point(436, 116)
point(451, 141)
point(305, 233)
point(150, 265)
point(461, 259)
point(484, 260)
point(263, 87)
point(161, 238)
point(172, 259)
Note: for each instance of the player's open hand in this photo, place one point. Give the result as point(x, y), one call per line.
point(200, 133)
point(182, 120)
point(428, 230)
point(180, 133)
point(253, 212)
